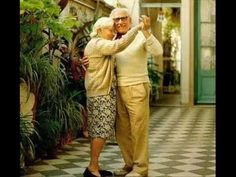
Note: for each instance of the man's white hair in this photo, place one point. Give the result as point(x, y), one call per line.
point(102, 22)
point(123, 10)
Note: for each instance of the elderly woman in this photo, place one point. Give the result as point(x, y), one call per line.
point(100, 87)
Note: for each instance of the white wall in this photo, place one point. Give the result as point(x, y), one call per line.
point(186, 48)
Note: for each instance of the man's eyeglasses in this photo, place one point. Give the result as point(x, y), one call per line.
point(116, 20)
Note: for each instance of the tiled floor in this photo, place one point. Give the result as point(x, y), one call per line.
point(181, 140)
point(168, 99)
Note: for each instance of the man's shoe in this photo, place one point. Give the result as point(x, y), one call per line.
point(105, 173)
point(133, 174)
point(121, 172)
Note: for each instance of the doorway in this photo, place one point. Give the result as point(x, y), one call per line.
point(166, 24)
point(171, 41)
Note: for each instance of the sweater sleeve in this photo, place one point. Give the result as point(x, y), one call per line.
point(153, 46)
point(109, 47)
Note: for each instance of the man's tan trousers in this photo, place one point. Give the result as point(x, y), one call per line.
point(132, 125)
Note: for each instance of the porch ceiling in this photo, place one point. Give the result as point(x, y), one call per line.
point(163, 1)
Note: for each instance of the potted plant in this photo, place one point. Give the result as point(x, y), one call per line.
point(155, 77)
point(27, 146)
point(41, 30)
point(49, 137)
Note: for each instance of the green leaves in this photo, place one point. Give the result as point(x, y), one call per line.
point(60, 30)
point(49, 7)
point(26, 131)
point(38, 15)
point(49, 131)
point(31, 5)
point(153, 73)
point(65, 110)
point(63, 26)
point(41, 33)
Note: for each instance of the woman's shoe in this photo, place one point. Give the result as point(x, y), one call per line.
point(105, 173)
point(88, 173)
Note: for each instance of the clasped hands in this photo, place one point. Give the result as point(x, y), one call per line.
point(145, 22)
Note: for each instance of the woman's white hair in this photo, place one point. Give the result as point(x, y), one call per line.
point(101, 23)
point(123, 10)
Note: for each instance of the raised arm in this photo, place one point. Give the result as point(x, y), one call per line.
point(153, 46)
point(108, 47)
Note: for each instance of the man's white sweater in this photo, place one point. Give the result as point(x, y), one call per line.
point(131, 63)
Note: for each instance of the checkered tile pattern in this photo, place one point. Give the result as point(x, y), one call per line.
point(181, 144)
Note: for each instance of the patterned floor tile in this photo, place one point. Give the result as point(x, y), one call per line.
point(187, 167)
point(81, 164)
point(203, 171)
point(181, 144)
point(172, 163)
point(35, 175)
point(185, 174)
point(67, 156)
point(66, 165)
point(56, 161)
point(73, 170)
point(190, 160)
point(44, 167)
point(169, 170)
point(61, 176)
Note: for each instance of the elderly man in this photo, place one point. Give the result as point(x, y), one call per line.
point(133, 94)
